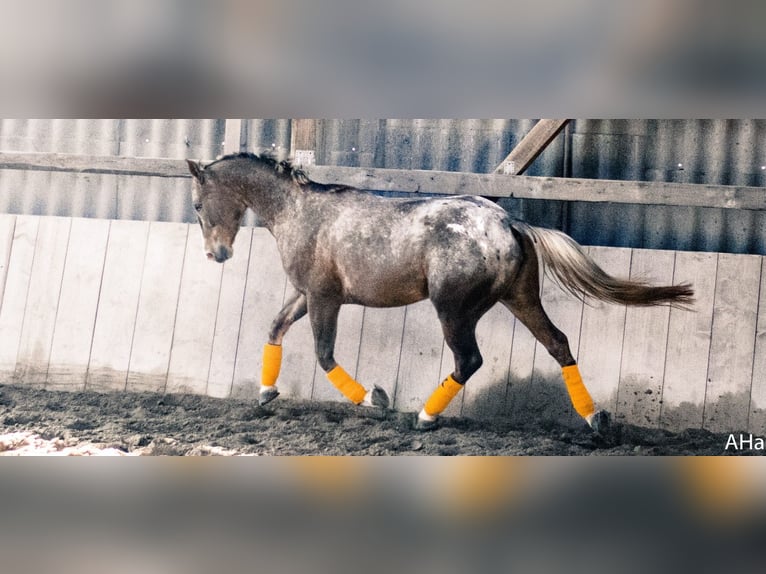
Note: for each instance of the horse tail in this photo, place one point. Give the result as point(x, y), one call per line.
point(567, 263)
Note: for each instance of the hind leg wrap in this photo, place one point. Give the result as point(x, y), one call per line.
point(581, 399)
point(440, 399)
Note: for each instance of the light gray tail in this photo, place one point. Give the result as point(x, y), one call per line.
point(567, 263)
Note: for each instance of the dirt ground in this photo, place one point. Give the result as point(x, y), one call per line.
point(37, 421)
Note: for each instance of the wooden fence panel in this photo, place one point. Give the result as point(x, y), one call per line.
point(484, 395)
point(195, 321)
point(521, 401)
point(117, 305)
point(7, 225)
point(644, 344)
point(601, 333)
point(380, 348)
point(76, 316)
point(15, 295)
point(732, 345)
point(135, 305)
point(688, 346)
point(421, 358)
point(229, 316)
point(757, 417)
point(157, 307)
point(42, 301)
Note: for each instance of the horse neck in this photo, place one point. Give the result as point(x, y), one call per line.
point(268, 195)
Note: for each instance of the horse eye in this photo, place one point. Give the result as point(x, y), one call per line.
point(197, 207)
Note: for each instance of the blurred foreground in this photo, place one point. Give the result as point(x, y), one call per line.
point(377, 515)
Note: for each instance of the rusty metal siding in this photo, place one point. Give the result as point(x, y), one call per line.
point(722, 152)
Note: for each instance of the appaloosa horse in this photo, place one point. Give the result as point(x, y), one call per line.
point(341, 245)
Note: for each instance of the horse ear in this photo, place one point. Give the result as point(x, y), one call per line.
point(196, 170)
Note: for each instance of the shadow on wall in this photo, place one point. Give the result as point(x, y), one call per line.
point(545, 401)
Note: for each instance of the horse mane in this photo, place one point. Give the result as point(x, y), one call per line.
point(283, 167)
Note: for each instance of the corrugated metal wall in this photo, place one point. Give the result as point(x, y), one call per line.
point(727, 152)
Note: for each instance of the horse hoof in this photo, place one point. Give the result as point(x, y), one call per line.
point(377, 397)
point(425, 425)
point(267, 395)
point(600, 422)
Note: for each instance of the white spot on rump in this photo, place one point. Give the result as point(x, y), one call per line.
point(457, 228)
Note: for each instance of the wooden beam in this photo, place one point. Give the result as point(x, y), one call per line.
point(547, 188)
point(531, 146)
point(115, 165)
point(428, 182)
point(303, 134)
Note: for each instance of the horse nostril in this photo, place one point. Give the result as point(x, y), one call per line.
point(210, 256)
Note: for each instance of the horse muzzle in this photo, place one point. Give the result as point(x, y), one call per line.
point(220, 254)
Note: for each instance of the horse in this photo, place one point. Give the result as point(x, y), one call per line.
point(341, 245)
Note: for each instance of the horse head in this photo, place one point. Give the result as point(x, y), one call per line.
point(219, 212)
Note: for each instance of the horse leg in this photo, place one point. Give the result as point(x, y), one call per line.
point(528, 308)
point(323, 314)
point(294, 309)
point(460, 336)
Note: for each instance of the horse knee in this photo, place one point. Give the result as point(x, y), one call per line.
point(326, 360)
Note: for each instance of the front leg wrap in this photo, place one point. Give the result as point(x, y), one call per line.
point(346, 384)
point(272, 363)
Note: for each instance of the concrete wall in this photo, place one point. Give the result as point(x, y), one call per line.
point(119, 305)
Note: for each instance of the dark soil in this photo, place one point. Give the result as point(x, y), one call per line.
point(162, 424)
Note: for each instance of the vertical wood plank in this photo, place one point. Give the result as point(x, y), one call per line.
point(117, 305)
point(688, 348)
point(603, 327)
point(157, 305)
point(15, 296)
point(757, 421)
point(264, 297)
point(42, 300)
point(732, 344)
point(551, 400)
point(346, 353)
point(485, 392)
point(644, 343)
point(421, 358)
point(380, 348)
point(520, 396)
point(228, 316)
point(75, 320)
point(195, 319)
point(7, 225)
point(303, 135)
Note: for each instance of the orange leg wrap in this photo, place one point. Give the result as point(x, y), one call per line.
point(442, 396)
point(345, 383)
point(581, 399)
point(272, 361)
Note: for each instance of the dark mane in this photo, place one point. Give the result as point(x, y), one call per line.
point(283, 167)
